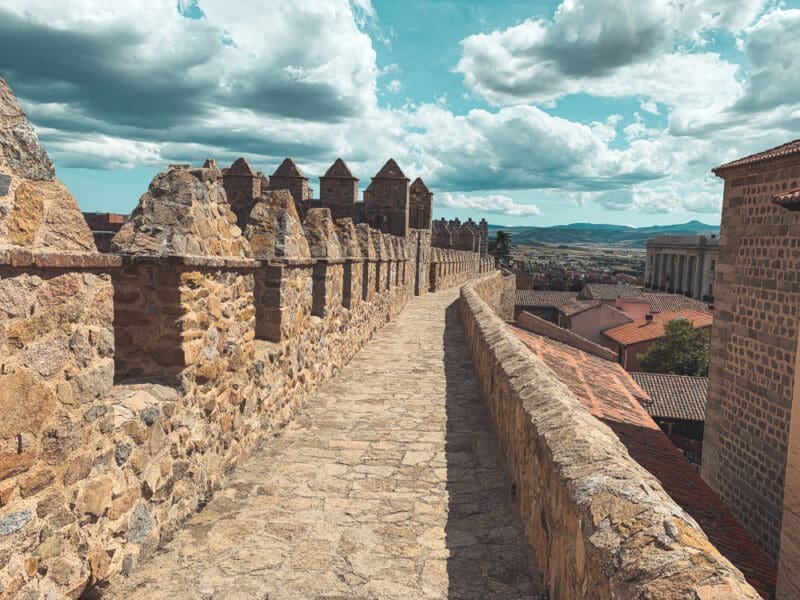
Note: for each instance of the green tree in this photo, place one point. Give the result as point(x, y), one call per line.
point(682, 351)
point(500, 246)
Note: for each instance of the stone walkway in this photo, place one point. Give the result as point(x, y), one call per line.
point(389, 485)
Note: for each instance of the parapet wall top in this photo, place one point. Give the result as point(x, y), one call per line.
point(183, 213)
point(274, 229)
point(36, 210)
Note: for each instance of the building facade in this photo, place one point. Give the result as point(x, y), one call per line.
point(683, 264)
point(751, 445)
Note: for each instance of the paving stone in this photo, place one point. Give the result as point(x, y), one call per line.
point(363, 494)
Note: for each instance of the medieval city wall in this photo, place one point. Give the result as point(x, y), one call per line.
point(598, 523)
point(132, 382)
point(449, 268)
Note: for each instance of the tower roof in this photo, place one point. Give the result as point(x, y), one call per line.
point(339, 170)
point(391, 170)
point(288, 168)
point(419, 186)
point(241, 167)
point(787, 149)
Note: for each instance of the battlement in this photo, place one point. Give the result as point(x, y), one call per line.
point(132, 380)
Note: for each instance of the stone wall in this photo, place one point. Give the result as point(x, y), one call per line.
point(449, 268)
point(753, 347)
point(130, 383)
point(598, 523)
point(538, 325)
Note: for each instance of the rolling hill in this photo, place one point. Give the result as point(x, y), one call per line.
point(600, 234)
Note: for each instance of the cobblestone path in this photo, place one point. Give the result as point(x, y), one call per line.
point(388, 485)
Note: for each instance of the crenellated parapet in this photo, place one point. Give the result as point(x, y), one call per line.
point(132, 381)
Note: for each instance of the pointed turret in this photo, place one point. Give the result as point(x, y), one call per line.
point(420, 205)
point(288, 176)
point(386, 200)
point(338, 189)
point(483, 228)
point(242, 187)
point(339, 169)
point(391, 170)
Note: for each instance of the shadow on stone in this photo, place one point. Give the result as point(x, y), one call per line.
point(489, 556)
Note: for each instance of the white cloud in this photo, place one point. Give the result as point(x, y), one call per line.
point(497, 204)
point(394, 86)
point(219, 86)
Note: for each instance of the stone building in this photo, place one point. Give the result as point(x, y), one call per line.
point(338, 190)
point(483, 228)
point(288, 176)
point(421, 206)
point(386, 200)
point(456, 235)
point(751, 445)
point(684, 264)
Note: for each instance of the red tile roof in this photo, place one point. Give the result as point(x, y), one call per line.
point(575, 307)
point(787, 149)
point(674, 396)
point(543, 297)
point(643, 330)
point(663, 302)
point(611, 395)
point(610, 291)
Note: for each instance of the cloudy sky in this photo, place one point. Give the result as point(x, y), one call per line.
point(533, 112)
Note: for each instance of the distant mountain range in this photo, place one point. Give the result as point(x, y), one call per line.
point(600, 234)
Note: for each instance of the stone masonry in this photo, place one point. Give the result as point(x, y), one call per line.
point(374, 491)
point(752, 387)
point(133, 383)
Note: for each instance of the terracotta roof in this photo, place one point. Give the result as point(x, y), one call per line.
point(611, 395)
point(787, 149)
point(391, 170)
point(642, 330)
point(610, 291)
point(543, 297)
point(663, 302)
point(604, 387)
point(288, 168)
point(674, 396)
point(340, 170)
point(788, 199)
point(575, 307)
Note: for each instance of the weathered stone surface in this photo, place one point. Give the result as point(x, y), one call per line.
point(34, 484)
point(612, 529)
point(185, 213)
point(141, 524)
point(365, 244)
point(96, 496)
point(5, 183)
point(36, 211)
point(13, 522)
point(46, 357)
point(274, 229)
point(25, 404)
point(348, 238)
point(374, 492)
point(20, 151)
point(323, 241)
